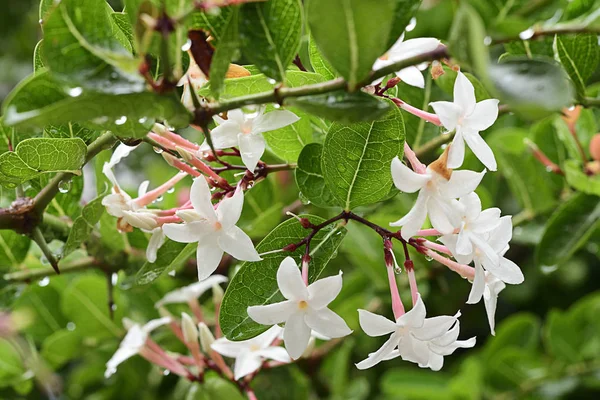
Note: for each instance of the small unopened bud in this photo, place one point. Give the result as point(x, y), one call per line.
point(305, 223)
point(290, 247)
point(437, 69)
point(185, 154)
point(409, 265)
point(217, 293)
point(595, 147)
point(170, 159)
point(190, 332)
point(160, 129)
point(593, 167)
point(392, 82)
point(206, 337)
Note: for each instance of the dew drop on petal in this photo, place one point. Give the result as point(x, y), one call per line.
point(397, 269)
point(142, 120)
point(428, 258)
point(166, 372)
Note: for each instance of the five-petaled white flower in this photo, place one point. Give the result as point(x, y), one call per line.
point(250, 354)
point(402, 50)
point(191, 292)
point(488, 255)
point(437, 194)
point(421, 340)
point(214, 230)
point(133, 342)
point(468, 118)
point(304, 309)
point(245, 131)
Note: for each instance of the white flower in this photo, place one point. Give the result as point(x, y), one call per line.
point(120, 152)
point(304, 309)
point(250, 354)
point(156, 241)
point(197, 78)
point(191, 292)
point(214, 230)
point(488, 255)
point(402, 50)
point(468, 118)
point(436, 196)
point(245, 131)
point(421, 340)
point(133, 342)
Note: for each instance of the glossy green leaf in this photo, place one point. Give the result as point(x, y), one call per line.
point(256, 284)
point(579, 55)
point(466, 41)
point(309, 177)
point(533, 88)
point(262, 209)
point(213, 22)
point(13, 249)
point(579, 180)
point(270, 34)
point(320, 65)
point(169, 257)
point(228, 45)
point(349, 40)
point(568, 229)
point(356, 159)
point(342, 106)
point(404, 12)
point(84, 224)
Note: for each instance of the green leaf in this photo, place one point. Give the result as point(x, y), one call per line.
point(41, 306)
point(466, 41)
point(446, 83)
point(256, 284)
point(318, 62)
point(309, 177)
point(579, 180)
point(85, 303)
point(169, 257)
point(82, 46)
point(356, 159)
point(287, 142)
point(13, 249)
point(405, 10)
point(14, 171)
point(568, 229)
point(228, 45)
point(11, 367)
point(520, 331)
point(262, 209)
point(533, 88)
point(38, 63)
point(40, 100)
point(348, 39)
point(579, 54)
point(415, 384)
point(342, 106)
point(270, 34)
point(214, 22)
point(61, 347)
point(84, 224)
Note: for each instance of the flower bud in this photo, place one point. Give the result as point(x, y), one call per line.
point(595, 147)
point(169, 158)
point(160, 129)
point(190, 332)
point(206, 337)
point(185, 154)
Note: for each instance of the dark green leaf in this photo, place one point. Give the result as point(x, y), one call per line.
point(533, 88)
point(84, 224)
point(405, 10)
point(213, 22)
point(415, 384)
point(520, 331)
point(351, 34)
point(579, 55)
point(169, 257)
point(262, 209)
point(270, 34)
point(309, 177)
point(228, 45)
point(568, 229)
point(466, 40)
point(256, 283)
point(61, 347)
point(342, 106)
point(446, 83)
point(11, 367)
point(13, 249)
point(356, 159)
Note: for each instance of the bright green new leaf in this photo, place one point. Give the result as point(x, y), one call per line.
point(568, 229)
point(270, 34)
point(256, 283)
point(579, 55)
point(357, 157)
point(446, 83)
point(342, 106)
point(169, 257)
point(309, 177)
point(318, 62)
point(84, 224)
point(351, 34)
point(13, 249)
point(61, 347)
point(579, 180)
point(53, 155)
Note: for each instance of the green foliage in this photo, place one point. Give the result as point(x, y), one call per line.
point(255, 283)
point(309, 177)
point(13, 248)
point(170, 256)
point(579, 55)
point(356, 159)
point(84, 225)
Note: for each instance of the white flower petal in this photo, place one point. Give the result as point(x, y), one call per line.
point(464, 93)
point(296, 335)
point(484, 115)
point(191, 292)
point(324, 291)
point(236, 242)
point(200, 197)
point(120, 153)
point(456, 155)
point(440, 215)
point(401, 50)
point(413, 221)
point(143, 188)
point(415, 318)
point(121, 355)
point(273, 120)
point(381, 354)
point(290, 280)
point(406, 179)
point(461, 183)
point(463, 244)
point(507, 271)
point(435, 327)
point(478, 285)
point(156, 241)
point(327, 322)
point(252, 148)
point(230, 209)
point(245, 364)
point(481, 150)
point(488, 220)
point(449, 113)
point(490, 298)
point(500, 236)
point(471, 204)
point(375, 325)
point(208, 257)
point(412, 76)
point(226, 135)
point(189, 232)
point(275, 353)
point(272, 313)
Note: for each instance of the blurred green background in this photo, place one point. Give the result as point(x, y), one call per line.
point(548, 332)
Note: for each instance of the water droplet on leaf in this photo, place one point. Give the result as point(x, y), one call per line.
point(121, 120)
point(64, 186)
point(75, 92)
point(44, 281)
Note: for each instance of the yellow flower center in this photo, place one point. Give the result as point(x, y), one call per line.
point(302, 305)
point(218, 226)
